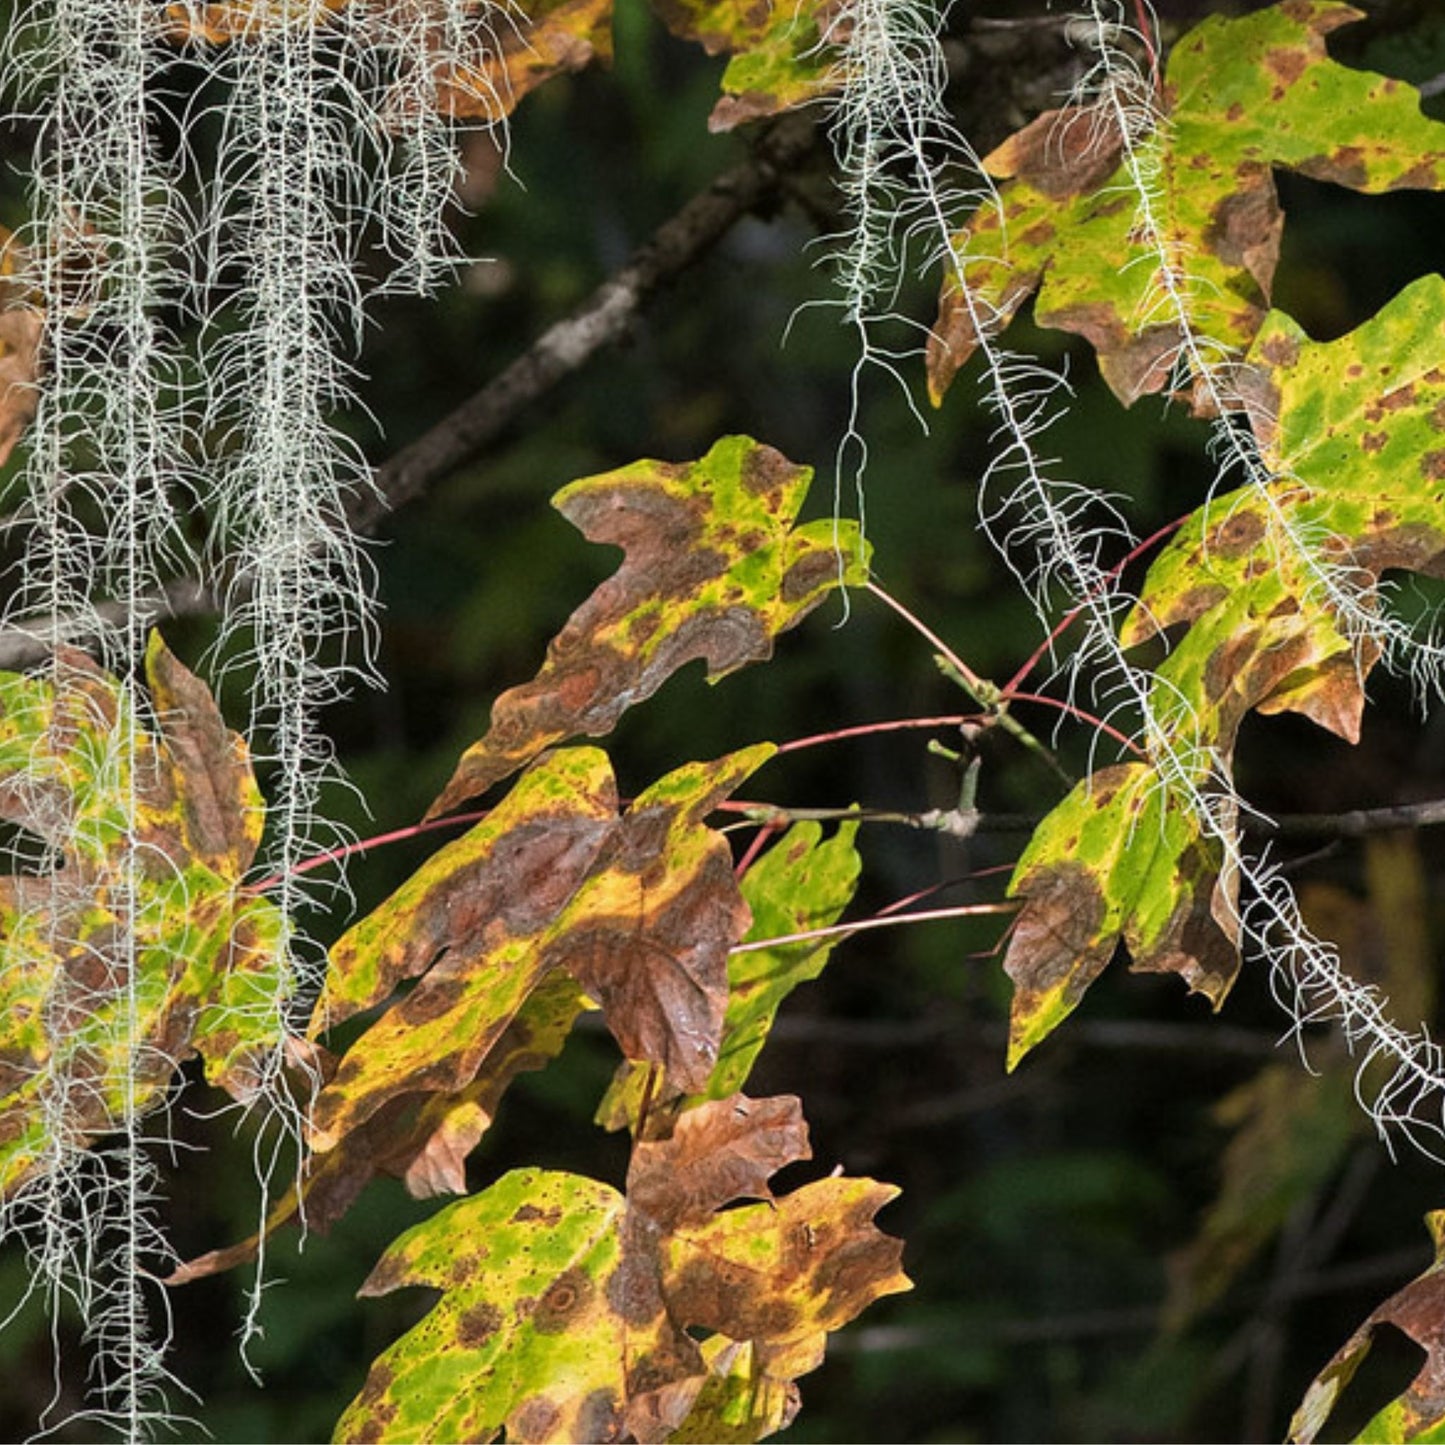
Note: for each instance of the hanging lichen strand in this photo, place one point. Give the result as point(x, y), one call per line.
point(285, 210)
point(99, 943)
point(105, 455)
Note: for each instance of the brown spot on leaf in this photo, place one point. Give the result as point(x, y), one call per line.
point(1425, 176)
point(1373, 441)
point(1237, 534)
point(1287, 63)
point(1246, 225)
point(477, 1325)
point(1063, 153)
point(1280, 351)
point(567, 1296)
point(536, 1420)
point(1432, 465)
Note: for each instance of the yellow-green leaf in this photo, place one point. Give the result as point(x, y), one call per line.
point(714, 568)
point(137, 947)
point(780, 55)
point(1121, 859)
point(1240, 96)
point(640, 910)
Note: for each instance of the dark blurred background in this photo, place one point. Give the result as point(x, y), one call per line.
point(1161, 1225)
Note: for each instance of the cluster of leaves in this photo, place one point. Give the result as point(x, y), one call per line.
point(568, 1305)
point(666, 1310)
point(780, 56)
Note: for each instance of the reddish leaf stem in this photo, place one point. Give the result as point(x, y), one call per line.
point(365, 845)
point(981, 687)
point(1067, 620)
point(1085, 717)
point(862, 730)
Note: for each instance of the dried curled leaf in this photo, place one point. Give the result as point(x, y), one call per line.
point(516, 53)
point(1419, 1311)
point(802, 882)
point(714, 568)
point(1240, 96)
point(138, 948)
point(566, 1306)
point(640, 910)
point(20, 327)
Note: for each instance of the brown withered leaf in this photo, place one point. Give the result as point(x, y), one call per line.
point(640, 910)
point(21, 322)
point(520, 51)
point(1419, 1311)
point(715, 1155)
point(713, 568)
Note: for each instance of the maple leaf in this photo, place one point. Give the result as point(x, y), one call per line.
point(1353, 431)
point(567, 1305)
point(802, 882)
point(21, 322)
point(780, 52)
point(639, 909)
point(138, 948)
point(1262, 579)
point(714, 568)
point(1419, 1311)
point(1239, 97)
point(516, 54)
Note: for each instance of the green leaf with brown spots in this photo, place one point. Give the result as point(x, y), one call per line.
point(1270, 584)
point(132, 946)
point(569, 1311)
point(801, 883)
point(1240, 96)
point(1353, 431)
point(640, 910)
point(1120, 860)
point(1418, 1310)
point(780, 53)
point(524, 1336)
point(714, 568)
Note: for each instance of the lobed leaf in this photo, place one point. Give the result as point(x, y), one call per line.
point(1271, 585)
point(1419, 1311)
point(714, 567)
point(639, 910)
point(137, 948)
point(802, 882)
point(1240, 97)
point(1353, 431)
point(566, 1306)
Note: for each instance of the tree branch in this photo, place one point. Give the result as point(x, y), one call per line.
point(562, 349)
